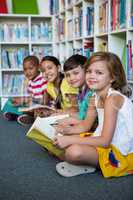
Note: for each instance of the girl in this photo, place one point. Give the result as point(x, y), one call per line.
point(110, 147)
point(57, 85)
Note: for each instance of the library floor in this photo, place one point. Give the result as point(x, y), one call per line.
point(28, 173)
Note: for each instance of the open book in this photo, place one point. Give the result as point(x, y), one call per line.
point(35, 106)
point(43, 133)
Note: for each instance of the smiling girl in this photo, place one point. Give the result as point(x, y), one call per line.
point(110, 147)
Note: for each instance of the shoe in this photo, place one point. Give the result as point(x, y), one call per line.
point(25, 119)
point(10, 116)
point(69, 170)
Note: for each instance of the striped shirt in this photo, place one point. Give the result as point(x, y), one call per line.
point(37, 87)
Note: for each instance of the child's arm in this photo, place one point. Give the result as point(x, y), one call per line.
point(81, 125)
point(45, 98)
point(111, 108)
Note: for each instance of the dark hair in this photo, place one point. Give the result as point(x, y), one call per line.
point(74, 61)
point(114, 66)
point(52, 59)
point(32, 59)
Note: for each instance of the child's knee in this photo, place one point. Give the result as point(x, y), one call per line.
point(73, 153)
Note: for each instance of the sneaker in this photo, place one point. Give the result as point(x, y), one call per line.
point(25, 119)
point(10, 116)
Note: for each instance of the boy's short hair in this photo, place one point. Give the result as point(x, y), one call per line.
point(74, 61)
point(32, 59)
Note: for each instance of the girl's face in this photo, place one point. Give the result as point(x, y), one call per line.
point(30, 70)
point(50, 70)
point(75, 77)
point(98, 76)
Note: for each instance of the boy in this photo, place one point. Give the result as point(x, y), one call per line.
point(36, 88)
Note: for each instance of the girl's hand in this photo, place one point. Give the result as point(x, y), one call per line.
point(64, 130)
point(62, 141)
point(68, 121)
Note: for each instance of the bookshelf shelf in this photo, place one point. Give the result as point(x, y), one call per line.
point(17, 40)
point(11, 70)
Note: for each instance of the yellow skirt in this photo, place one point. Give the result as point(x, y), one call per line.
point(113, 163)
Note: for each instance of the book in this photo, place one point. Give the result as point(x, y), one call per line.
point(43, 132)
point(25, 7)
point(3, 6)
point(34, 107)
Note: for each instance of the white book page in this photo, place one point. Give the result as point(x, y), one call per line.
point(45, 128)
point(44, 125)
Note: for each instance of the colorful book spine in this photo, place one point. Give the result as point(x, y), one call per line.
point(131, 13)
point(3, 6)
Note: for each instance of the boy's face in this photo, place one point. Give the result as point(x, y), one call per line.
point(30, 70)
point(50, 70)
point(75, 77)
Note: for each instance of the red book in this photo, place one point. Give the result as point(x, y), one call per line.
point(3, 6)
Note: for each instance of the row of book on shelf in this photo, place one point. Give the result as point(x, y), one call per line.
point(75, 24)
point(12, 58)
point(19, 31)
point(118, 15)
point(118, 12)
point(128, 51)
point(13, 84)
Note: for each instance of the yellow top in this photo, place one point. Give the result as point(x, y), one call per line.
point(65, 88)
point(51, 90)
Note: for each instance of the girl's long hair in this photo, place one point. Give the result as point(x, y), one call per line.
point(115, 68)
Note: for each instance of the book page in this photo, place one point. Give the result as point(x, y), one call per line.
point(45, 128)
point(33, 107)
point(44, 125)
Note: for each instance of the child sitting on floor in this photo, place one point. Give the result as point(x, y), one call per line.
point(75, 75)
point(37, 86)
point(110, 147)
point(57, 89)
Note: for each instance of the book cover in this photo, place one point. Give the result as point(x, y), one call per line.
point(43, 133)
point(3, 6)
point(24, 7)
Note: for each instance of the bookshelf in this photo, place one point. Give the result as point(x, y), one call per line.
point(85, 26)
point(21, 35)
point(76, 26)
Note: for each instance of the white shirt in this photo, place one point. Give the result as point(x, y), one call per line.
point(123, 135)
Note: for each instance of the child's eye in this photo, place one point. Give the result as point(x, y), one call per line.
point(88, 71)
point(49, 67)
point(76, 73)
point(99, 72)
